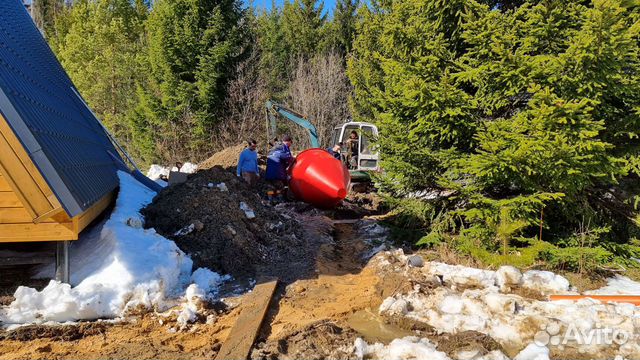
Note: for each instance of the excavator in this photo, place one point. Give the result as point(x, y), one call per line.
point(364, 159)
point(316, 176)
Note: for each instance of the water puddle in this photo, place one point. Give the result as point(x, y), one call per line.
point(373, 328)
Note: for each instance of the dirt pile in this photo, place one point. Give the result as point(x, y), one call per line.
point(321, 340)
point(226, 158)
point(230, 229)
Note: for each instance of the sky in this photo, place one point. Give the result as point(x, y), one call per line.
point(266, 4)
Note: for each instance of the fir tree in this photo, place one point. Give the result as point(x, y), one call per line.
point(303, 25)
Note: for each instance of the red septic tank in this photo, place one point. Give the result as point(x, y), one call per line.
point(319, 179)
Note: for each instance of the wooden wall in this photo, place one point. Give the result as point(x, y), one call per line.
point(29, 211)
point(17, 225)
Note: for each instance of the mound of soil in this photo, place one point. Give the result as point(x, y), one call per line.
point(208, 224)
point(226, 158)
point(321, 340)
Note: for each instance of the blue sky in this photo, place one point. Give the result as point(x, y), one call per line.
point(266, 4)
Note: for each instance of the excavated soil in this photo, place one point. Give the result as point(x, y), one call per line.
point(321, 340)
point(280, 241)
point(225, 158)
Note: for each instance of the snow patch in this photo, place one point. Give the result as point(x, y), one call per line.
point(410, 347)
point(208, 280)
point(115, 267)
point(189, 168)
point(618, 285)
point(533, 352)
point(157, 172)
point(545, 281)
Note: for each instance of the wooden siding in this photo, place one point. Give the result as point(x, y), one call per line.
point(29, 211)
point(17, 225)
point(21, 175)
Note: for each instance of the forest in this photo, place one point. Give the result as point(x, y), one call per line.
point(508, 129)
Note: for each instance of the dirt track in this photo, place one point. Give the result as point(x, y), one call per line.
point(308, 313)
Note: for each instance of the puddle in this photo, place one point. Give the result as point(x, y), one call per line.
point(373, 328)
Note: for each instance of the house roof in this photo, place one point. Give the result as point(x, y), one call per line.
point(63, 138)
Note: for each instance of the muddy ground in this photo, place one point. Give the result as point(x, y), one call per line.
point(328, 296)
point(307, 317)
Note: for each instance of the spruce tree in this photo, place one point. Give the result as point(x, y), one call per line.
point(517, 109)
point(344, 24)
point(99, 51)
point(303, 25)
point(192, 48)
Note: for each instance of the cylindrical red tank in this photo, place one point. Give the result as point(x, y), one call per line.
point(319, 179)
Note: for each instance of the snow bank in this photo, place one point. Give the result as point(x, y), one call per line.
point(482, 300)
point(115, 267)
point(410, 347)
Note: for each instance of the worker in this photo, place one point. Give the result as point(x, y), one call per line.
point(335, 150)
point(278, 161)
point(248, 163)
point(352, 150)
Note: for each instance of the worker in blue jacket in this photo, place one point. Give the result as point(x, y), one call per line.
point(278, 161)
point(248, 163)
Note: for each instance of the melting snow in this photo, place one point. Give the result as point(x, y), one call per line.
point(115, 267)
point(480, 300)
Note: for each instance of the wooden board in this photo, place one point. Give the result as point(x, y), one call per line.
point(17, 215)
point(22, 176)
point(4, 186)
point(8, 199)
point(244, 332)
point(83, 220)
point(37, 232)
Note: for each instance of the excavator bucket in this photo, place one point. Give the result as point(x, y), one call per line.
point(319, 179)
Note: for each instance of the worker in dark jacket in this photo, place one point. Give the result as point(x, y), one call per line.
point(248, 163)
point(278, 161)
point(335, 151)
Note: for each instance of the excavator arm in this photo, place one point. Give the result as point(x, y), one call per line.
point(274, 109)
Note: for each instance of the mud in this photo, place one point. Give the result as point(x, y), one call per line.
point(472, 341)
point(56, 332)
point(281, 241)
point(321, 340)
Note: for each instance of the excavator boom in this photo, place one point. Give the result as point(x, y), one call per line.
point(274, 109)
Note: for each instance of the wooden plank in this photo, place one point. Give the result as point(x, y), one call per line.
point(15, 173)
point(24, 157)
point(8, 199)
point(254, 307)
point(37, 232)
point(83, 220)
point(17, 215)
point(22, 175)
point(4, 186)
point(48, 215)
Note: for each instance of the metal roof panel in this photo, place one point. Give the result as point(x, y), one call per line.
point(61, 135)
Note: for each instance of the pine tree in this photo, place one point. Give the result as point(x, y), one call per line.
point(303, 25)
point(344, 24)
point(274, 53)
point(517, 110)
point(45, 12)
point(193, 47)
point(99, 51)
